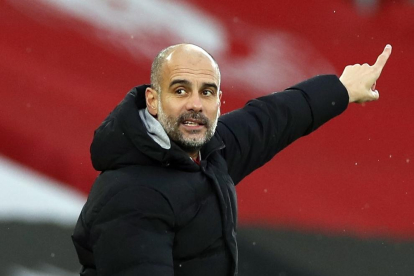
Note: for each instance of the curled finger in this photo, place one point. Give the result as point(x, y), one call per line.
point(374, 95)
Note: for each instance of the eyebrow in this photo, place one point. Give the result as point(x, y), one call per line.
point(179, 81)
point(188, 83)
point(210, 84)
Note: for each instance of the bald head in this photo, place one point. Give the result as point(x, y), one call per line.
point(185, 53)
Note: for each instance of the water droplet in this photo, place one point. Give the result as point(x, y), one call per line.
point(224, 102)
point(265, 190)
point(52, 255)
point(180, 265)
point(334, 11)
point(356, 164)
point(132, 37)
point(390, 155)
point(407, 160)
point(333, 103)
point(254, 243)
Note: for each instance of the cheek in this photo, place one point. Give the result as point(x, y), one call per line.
point(171, 108)
point(213, 111)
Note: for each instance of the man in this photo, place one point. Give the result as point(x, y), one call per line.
point(165, 201)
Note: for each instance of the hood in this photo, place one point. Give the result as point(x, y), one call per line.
point(122, 140)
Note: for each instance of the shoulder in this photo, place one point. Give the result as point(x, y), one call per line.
point(122, 190)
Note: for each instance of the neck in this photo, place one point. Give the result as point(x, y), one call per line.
point(193, 155)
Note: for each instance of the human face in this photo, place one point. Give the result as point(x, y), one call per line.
point(189, 104)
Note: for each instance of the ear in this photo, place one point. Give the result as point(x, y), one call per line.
point(219, 104)
point(219, 100)
point(151, 98)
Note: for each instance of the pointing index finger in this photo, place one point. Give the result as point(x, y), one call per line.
point(383, 57)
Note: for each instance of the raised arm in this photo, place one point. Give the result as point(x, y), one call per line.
point(255, 133)
point(266, 125)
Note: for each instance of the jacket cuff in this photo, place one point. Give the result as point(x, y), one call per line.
point(326, 95)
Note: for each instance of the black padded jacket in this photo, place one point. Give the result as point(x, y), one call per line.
point(154, 211)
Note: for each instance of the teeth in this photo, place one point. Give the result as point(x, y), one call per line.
point(190, 123)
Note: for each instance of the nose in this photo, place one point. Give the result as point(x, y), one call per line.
point(194, 102)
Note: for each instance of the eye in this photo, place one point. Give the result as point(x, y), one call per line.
point(207, 92)
point(180, 91)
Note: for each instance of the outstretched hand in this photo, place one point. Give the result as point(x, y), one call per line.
point(360, 80)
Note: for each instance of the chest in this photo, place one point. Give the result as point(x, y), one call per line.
point(204, 206)
point(203, 203)
point(198, 215)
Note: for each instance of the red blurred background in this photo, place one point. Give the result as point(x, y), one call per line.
point(65, 64)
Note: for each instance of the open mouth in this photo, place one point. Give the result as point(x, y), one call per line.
point(192, 123)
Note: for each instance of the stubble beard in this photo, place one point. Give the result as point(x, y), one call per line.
point(172, 125)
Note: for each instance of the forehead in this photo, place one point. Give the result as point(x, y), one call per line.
point(190, 64)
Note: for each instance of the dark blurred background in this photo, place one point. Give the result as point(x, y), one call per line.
point(337, 202)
